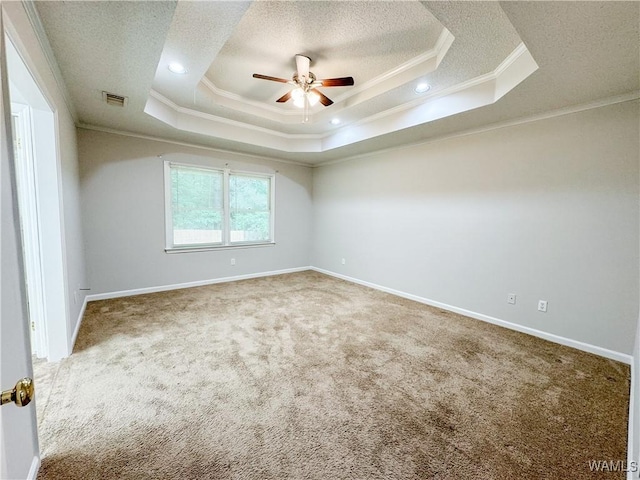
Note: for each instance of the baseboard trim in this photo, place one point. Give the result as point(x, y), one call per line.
point(35, 466)
point(631, 447)
point(78, 323)
point(199, 283)
point(603, 352)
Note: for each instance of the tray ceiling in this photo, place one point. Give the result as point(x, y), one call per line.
point(470, 53)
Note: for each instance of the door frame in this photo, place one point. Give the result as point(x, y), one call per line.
point(46, 153)
point(28, 202)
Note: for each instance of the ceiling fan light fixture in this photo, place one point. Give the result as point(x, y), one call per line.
point(305, 93)
point(177, 68)
point(298, 95)
point(313, 97)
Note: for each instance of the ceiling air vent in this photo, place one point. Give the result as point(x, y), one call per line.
point(115, 100)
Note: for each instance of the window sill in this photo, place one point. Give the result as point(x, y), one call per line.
point(208, 248)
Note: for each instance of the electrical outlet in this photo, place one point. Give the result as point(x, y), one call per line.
point(542, 305)
point(344, 261)
point(233, 261)
point(511, 298)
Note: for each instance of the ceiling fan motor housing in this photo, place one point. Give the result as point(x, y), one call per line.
point(305, 85)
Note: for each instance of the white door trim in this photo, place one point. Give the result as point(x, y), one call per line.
point(28, 199)
point(46, 154)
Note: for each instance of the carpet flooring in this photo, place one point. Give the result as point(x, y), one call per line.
point(303, 376)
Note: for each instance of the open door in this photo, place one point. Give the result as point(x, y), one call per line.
point(19, 453)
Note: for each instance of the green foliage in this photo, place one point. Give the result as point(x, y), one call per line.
point(254, 224)
point(249, 199)
point(197, 202)
point(196, 197)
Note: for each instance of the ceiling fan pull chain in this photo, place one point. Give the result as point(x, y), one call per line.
point(306, 108)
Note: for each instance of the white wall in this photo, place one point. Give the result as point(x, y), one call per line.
point(546, 210)
point(123, 212)
point(73, 246)
point(64, 172)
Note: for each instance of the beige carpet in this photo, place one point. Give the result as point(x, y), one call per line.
point(303, 376)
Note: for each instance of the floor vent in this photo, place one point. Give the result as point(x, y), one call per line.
point(115, 100)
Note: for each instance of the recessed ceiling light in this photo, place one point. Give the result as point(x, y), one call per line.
point(177, 68)
point(422, 87)
point(335, 121)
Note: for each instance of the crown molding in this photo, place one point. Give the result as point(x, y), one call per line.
point(124, 133)
point(603, 102)
point(404, 73)
point(43, 40)
point(236, 102)
point(519, 52)
point(223, 120)
point(474, 93)
point(414, 68)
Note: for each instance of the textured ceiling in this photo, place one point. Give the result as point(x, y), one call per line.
point(111, 46)
point(365, 40)
point(359, 39)
point(585, 51)
point(388, 47)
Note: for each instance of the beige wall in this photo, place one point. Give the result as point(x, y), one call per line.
point(123, 216)
point(546, 210)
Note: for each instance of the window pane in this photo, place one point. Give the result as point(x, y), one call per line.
point(196, 205)
point(250, 227)
point(249, 203)
point(249, 193)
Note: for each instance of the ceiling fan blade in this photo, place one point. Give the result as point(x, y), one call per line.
point(324, 100)
point(267, 77)
point(337, 82)
point(284, 97)
point(302, 65)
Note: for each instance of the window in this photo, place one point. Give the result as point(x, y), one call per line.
point(208, 207)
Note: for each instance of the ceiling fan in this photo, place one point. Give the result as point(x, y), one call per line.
point(306, 85)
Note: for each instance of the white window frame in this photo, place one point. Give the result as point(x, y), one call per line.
point(226, 211)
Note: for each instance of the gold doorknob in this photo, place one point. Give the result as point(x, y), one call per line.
point(21, 394)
